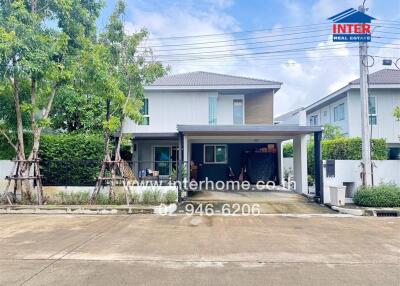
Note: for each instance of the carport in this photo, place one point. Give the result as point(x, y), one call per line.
point(191, 136)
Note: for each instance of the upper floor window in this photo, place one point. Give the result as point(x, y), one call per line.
point(212, 110)
point(372, 110)
point(313, 120)
point(338, 112)
point(237, 111)
point(145, 112)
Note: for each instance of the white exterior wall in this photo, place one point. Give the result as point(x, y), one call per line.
point(225, 108)
point(387, 126)
point(348, 171)
point(329, 117)
point(170, 108)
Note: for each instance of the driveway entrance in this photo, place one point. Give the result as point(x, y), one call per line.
point(270, 202)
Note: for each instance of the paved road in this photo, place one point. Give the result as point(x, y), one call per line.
point(184, 250)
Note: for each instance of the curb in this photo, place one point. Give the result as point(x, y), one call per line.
point(76, 210)
point(355, 212)
point(367, 211)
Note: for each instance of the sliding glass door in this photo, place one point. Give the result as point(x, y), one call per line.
point(165, 158)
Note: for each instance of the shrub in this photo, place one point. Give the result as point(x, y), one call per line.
point(170, 197)
point(71, 159)
point(287, 150)
point(351, 149)
point(346, 149)
point(383, 195)
point(8, 153)
point(82, 198)
point(151, 197)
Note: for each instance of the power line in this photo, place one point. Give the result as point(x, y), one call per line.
point(240, 49)
point(299, 27)
point(222, 56)
point(221, 52)
point(240, 39)
point(333, 47)
point(240, 44)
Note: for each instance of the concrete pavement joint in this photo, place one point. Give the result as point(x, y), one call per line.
point(68, 252)
point(201, 261)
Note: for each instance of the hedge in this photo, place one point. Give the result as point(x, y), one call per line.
point(8, 153)
point(351, 149)
point(287, 150)
point(71, 159)
point(383, 195)
point(341, 149)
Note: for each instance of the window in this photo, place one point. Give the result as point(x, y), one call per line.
point(165, 159)
point(325, 113)
point(313, 120)
point(145, 112)
point(237, 111)
point(212, 110)
point(372, 110)
point(215, 154)
point(338, 112)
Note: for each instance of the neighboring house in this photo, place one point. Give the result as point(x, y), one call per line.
point(343, 108)
point(296, 116)
point(221, 124)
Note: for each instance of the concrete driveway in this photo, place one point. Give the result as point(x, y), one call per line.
point(185, 250)
point(270, 202)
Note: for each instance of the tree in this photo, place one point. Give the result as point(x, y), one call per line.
point(40, 42)
point(396, 113)
point(128, 65)
point(332, 132)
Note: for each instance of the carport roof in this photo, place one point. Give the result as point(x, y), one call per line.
point(248, 130)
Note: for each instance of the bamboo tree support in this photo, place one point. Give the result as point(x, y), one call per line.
point(117, 169)
point(18, 177)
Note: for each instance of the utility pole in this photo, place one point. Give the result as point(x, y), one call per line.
point(365, 132)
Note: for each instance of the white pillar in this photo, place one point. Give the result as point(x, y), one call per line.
point(300, 163)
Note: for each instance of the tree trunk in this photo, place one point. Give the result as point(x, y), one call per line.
point(20, 128)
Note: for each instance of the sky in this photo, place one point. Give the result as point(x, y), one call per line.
point(232, 36)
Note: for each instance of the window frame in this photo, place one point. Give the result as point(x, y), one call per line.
point(215, 153)
point(212, 110)
point(314, 120)
point(146, 117)
point(233, 110)
point(336, 117)
point(170, 162)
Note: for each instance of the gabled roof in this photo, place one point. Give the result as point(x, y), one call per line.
point(289, 114)
point(385, 76)
point(351, 16)
point(210, 79)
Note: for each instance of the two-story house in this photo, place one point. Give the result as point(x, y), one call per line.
point(220, 126)
point(343, 108)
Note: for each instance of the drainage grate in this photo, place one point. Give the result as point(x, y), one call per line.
point(384, 214)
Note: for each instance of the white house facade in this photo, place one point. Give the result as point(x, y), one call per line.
point(219, 126)
point(343, 108)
